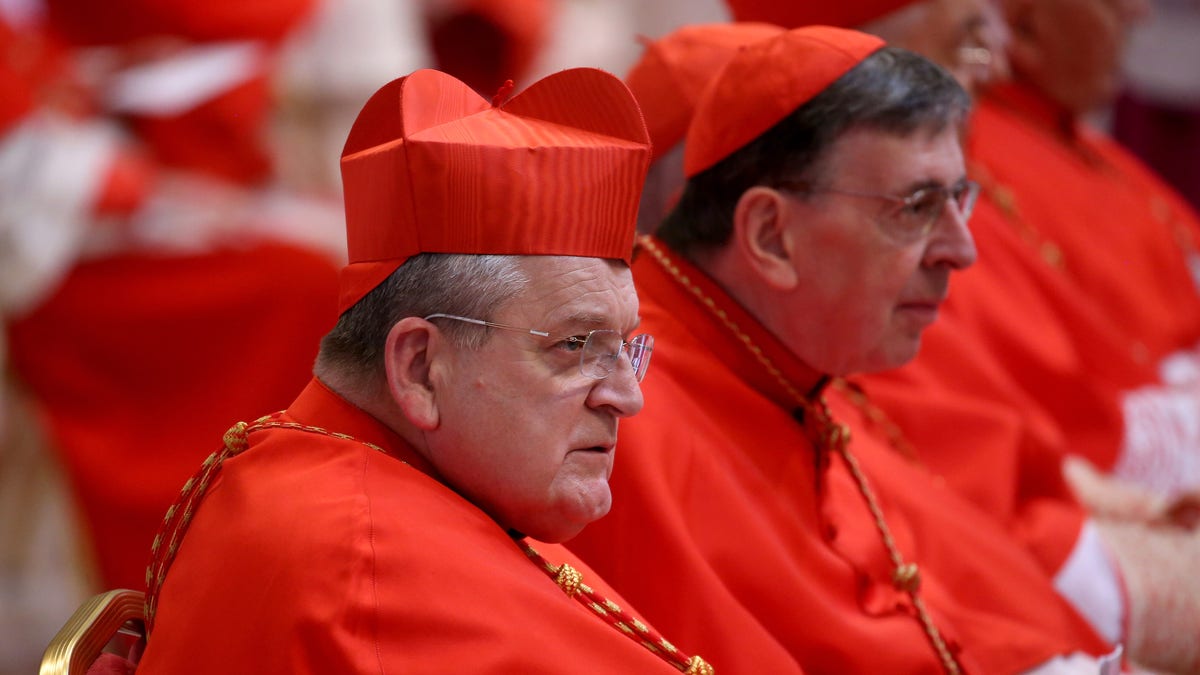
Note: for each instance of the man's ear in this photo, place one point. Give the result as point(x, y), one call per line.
point(761, 236)
point(409, 353)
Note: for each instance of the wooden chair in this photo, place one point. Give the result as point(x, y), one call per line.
point(107, 631)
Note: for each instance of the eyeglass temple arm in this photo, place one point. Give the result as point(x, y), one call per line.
point(480, 322)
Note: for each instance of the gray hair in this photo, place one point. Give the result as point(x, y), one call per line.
point(429, 283)
point(892, 90)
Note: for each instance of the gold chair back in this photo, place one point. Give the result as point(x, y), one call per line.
point(109, 622)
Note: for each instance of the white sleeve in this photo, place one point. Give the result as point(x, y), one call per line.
point(1091, 582)
point(1081, 664)
point(1162, 432)
point(51, 169)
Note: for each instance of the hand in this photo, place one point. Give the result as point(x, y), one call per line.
point(1112, 498)
point(1157, 565)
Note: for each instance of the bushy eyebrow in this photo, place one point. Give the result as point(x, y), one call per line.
point(592, 321)
point(588, 319)
point(929, 184)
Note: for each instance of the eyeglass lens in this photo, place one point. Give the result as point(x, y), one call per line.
point(603, 347)
point(923, 208)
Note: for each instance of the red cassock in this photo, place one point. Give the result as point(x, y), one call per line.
point(1124, 237)
point(312, 553)
point(729, 530)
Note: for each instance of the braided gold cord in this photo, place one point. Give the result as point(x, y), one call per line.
point(906, 577)
point(172, 531)
point(570, 580)
point(827, 436)
point(661, 258)
point(877, 417)
point(697, 666)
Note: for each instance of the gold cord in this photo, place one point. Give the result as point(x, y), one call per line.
point(172, 531)
point(570, 580)
point(877, 418)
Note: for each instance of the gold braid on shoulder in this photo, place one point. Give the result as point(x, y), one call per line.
point(179, 516)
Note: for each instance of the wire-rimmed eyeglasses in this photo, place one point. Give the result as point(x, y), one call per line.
point(915, 214)
point(598, 350)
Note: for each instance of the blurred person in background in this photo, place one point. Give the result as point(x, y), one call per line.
point(165, 281)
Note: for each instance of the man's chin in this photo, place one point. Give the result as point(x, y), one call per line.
point(572, 520)
point(890, 358)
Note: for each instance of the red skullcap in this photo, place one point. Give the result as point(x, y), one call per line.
point(795, 13)
point(764, 83)
point(430, 166)
point(674, 70)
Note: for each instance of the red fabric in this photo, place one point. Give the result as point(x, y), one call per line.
point(750, 545)
point(763, 83)
point(16, 82)
point(35, 73)
point(224, 137)
point(485, 42)
point(311, 554)
point(139, 347)
point(674, 70)
point(111, 664)
point(790, 13)
point(980, 443)
point(127, 185)
point(1123, 233)
point(122, 21)
point(430, 166)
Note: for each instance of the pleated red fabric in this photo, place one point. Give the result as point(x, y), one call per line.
point(430, 166)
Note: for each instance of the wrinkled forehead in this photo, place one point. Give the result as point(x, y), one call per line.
point(577, 290)
point(865, 150)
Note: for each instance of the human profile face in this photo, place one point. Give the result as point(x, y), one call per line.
point(522, 433)
point(864, 296)
point(1072, 49)
point(966, 37)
